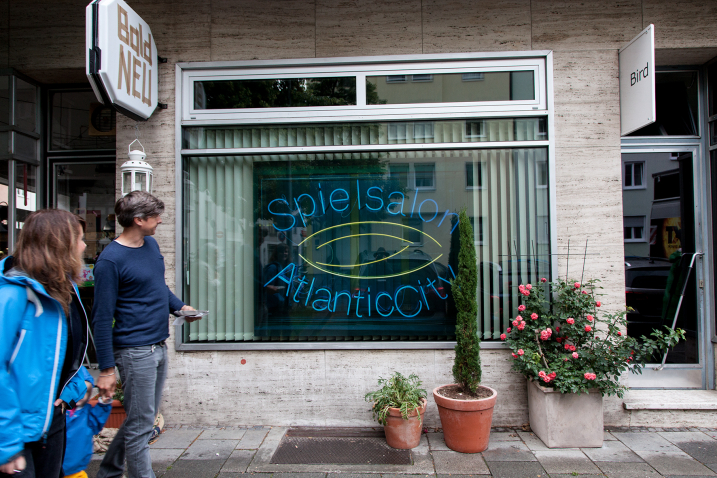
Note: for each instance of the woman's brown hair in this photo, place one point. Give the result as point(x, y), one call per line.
point(46, 251)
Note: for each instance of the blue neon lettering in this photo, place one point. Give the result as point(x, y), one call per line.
point(321, 196)
point(358, 193)
point(336, 298)
point(378, 306)
point(434, 214)
point(298, 208)
point(395, 301)
point(332, 200)
point(445, 215)
point(328, 301)
point(293, 219)
point(301, 284)
point(281, 277)
point(388, 208)
point(378, 198)
point(423, 294)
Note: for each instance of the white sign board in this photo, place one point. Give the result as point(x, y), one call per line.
point(637, 82)
point(122, 62)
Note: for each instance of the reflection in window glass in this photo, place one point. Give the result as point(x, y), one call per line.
point(26, 200)
point(274, 93)
point(334, 246)
point(451, 88)
point(474, 175)
point(78, 121)
point(712, 89)
point(4, 170)
point(348, 134)
point(4, 100)
point(676, 96)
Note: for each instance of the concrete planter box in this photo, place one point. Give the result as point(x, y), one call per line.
point(565, 420)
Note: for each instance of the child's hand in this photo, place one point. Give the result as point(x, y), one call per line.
point(14, 466)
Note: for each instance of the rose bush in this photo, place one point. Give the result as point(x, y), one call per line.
point(566, 346)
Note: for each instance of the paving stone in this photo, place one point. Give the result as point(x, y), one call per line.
point(298, 475)
point(532, 441)
point(690, 476)
point(176, 438)
point(614, 451)
point(242, 475)
point(712, 466)
point(710, 433)
point(516, 469)
point(566, 461)
point(223, 434)
point(607, 436)
point(209, 450)
point(94, 466)
point(163, 459)
point(194, 469)
point(628, 470)
point(504, 436)
point(646, 442)
point(674, 463)
point(436, 442)
point(452, 463)
point(508, 451)
point(682, 437)
point(252, 439)
point(238, 461)
point(352, 475)
point(701, 451)
point(578, 475)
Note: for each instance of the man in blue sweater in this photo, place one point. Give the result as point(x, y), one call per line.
point(130, 321)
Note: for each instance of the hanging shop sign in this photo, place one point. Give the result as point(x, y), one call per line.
point(637, 82)
point(122, 62)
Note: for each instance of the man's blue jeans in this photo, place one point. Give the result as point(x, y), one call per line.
point(143, 371)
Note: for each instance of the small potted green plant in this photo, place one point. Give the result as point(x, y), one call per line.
point(399, 406)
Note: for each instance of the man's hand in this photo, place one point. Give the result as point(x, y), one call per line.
point(189, 319)
point(14, 466)
point(107, 383)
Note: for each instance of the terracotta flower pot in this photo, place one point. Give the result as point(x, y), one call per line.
point(466, 423)
point(404, 434)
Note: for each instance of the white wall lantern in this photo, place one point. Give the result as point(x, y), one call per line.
point(136, 173)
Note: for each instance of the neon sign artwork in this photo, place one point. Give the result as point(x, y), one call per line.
point(418, 285)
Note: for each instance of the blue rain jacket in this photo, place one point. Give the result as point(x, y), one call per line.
point(33, 340)
point(82, 424)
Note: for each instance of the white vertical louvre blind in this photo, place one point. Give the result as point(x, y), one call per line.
point(506, 202)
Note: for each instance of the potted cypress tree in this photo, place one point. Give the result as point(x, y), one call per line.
point(466, 407)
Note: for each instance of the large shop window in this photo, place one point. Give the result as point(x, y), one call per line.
point(320, 198)
point(357, 246)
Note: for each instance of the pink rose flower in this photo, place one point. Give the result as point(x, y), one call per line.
point(589, 317)
point(575, 355)
point(543, 279)
point(619, 334)
point(521, 308)
point(502, 336)
point(597, 304)
point(521, 287)
point(577, 285)
point(557, 329)
point(567, 346)
point(525, 292)
point(521, 351)
point(588, 328)
point(534, 316)
point(516, 322)
point(590, 376)
point(585, 292)
point(570, 321)
point(514, 356)
point(521, 326)
point(529, 287)
point(572, 348)
point(508, 329)
point(559, 339)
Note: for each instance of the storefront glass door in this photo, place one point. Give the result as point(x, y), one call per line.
point(663, 262)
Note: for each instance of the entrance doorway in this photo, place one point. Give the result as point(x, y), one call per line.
point(663, 262)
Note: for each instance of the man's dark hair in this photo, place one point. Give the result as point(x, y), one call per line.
point(137, 204)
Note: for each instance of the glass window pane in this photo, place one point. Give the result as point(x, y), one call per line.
point(126, 182)
point(347, 134)
point(274, 93)
point(425, 175)
point(25, 147)
point(4, 101)
point(4, 170)
point(712, 89)
point(628, 174)
point(451, 88)
point(25, 193)
point(637, 168)
point(140, 182)
point(332, 247)
point(713, 133)
point(677, 101)
point(25, 106)
point(469, 175)
point(78, 121)
point(4, 142)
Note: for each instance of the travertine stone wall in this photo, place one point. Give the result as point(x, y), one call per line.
point(46, 40)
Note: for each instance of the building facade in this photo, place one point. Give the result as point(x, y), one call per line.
point(312, 156)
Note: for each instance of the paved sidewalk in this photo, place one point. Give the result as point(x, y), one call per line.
point(188, 452)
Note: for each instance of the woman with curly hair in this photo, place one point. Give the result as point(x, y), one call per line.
point(43, 337)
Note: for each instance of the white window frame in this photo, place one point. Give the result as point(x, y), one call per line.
point(416, 187)
point(644, 229)
point(633, 186)
point(360, 68)
point(540, 62)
